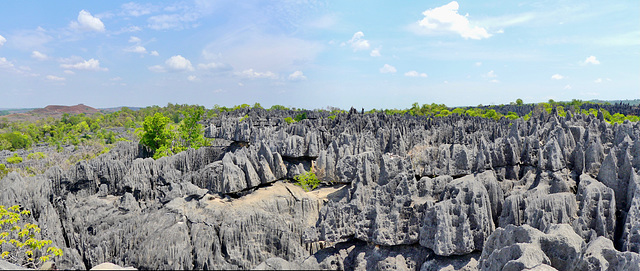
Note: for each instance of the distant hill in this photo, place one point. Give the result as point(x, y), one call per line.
point(61, 109)
point(49, 111)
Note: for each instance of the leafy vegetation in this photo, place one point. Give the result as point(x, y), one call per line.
point(15, 159)
point(307, 181)
point(25, 248)
point(289, 120)
point(164, 140)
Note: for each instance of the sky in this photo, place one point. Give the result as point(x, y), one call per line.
point(314, 54)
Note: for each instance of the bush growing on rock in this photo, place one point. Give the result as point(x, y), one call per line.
point(307, 181)
point(289, 120)
point(23, 237)
point(15, 159)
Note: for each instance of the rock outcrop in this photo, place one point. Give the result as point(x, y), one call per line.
point(397, 192)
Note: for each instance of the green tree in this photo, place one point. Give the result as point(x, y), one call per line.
point(155, 133)
point(519, 101)
point(191, 132)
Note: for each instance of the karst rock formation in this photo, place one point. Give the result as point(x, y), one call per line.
point(398, 192)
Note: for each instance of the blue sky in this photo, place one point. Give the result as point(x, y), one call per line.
point(314, 54)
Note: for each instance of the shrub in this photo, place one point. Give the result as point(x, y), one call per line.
point(36, 155)
point(22, 236)
point(307, 181)
point(17, 140)
point(289, 120)
point(300, 117)
point(15, 159)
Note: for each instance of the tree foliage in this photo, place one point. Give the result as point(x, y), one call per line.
point(156, 134)
point(23, 238)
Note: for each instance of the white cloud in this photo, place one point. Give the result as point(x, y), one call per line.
point(4, 63)
point(117, 78)
point(599, 80)
point(494, 81)
point(90, 65)
point(154, 53)
point(478, 64)
point(375, 52)
point(591, 60)
point(55, 78)
point(86, 22)
point(446, 19)
point(250, 73)
point(134, 39)
point(2, 40)
point(491, 74)
point(387, 69)
point(136, 49)
point(557, 76)
point(191, 78)
point(358, 43)
point(39, 56)
point(240, 84)
point(567, 87)
point(69, 72)
point(214, 66)
point(415, 74)
point(297, 76)
point(157, 68)
point(179, 63)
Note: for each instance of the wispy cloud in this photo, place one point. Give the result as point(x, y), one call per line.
point(557, 77)
point(591, 60)
point(251, 74)
point(297, 76)
point(55, 78)
point(388, 69)
point(415, 74)
point(89, 65)
point(39, 56)
point(358, 42)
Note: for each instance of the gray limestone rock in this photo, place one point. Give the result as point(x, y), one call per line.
point(597, 210)
point(468, 262)
point(601, 255)
point(631, 231)
point(524, 247)
point(358, 255)
point(461, 222)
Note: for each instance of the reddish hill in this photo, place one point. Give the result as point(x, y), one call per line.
point(61, 109)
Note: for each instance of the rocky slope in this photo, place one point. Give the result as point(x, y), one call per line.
point(399, 192)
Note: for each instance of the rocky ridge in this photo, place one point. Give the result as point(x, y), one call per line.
point(399, 192)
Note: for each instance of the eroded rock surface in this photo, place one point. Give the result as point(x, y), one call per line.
point(397, 193)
